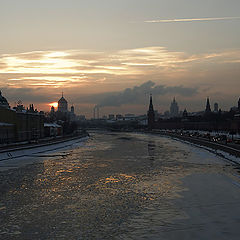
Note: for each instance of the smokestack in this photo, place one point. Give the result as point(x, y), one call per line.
point(97, 112)
point(94, 113)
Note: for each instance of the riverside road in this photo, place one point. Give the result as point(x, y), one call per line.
point(121, 186)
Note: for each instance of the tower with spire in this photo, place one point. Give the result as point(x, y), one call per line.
point(151, 114)
point(174, 109)
point(208, 107)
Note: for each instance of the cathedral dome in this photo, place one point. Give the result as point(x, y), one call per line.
point(3, 101)
point(62, 100)
point(62, 104)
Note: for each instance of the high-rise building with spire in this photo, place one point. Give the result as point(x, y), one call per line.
point(174, 109)
point(151, 114)
point(208, 107)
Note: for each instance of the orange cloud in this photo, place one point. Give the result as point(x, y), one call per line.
point(77, 68)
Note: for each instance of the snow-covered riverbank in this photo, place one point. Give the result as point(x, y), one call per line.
point(24, 154)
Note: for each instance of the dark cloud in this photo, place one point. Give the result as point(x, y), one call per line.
point(25, 94)
point(136, 95)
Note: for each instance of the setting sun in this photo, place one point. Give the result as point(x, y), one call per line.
point(53, 104)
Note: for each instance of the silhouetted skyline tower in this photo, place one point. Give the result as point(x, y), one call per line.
point(208, 107)
point(72, 109)
point(174, 109)
point(215, 107)
point(151, 114)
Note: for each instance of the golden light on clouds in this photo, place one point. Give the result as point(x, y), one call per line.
point(45, 63)
point(74, 68)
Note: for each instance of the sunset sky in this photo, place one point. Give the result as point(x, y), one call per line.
point(114, 53)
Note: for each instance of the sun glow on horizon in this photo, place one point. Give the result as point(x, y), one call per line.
point(53, 104)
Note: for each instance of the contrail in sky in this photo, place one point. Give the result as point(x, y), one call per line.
point(190, 20)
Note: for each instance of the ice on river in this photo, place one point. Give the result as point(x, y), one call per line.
point(121, 186)
point(20, 157)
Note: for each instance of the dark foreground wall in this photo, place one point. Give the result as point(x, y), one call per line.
point(23, 126)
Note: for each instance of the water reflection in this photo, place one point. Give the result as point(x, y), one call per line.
point(151, 150)
point(103, 190)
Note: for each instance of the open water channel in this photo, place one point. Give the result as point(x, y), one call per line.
point(121, 186)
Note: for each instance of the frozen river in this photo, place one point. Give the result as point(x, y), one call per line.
point(121, 186)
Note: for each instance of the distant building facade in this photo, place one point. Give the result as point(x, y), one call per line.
point(52, 130)
point(20, 124)
point(111, 117)
point(215, 107)
point(185, 113)
point(72, 114)
point(206, 120)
